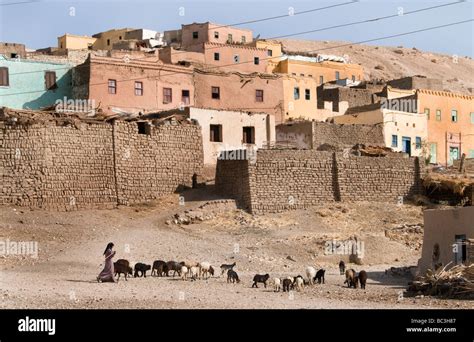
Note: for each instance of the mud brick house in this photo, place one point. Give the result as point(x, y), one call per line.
point(133, 85)
point(404, 130)
point(32, 84)
point(450, 119)
point(226, 130)
point(216, 56)
point(239, 92)
point(193, 35)
point(13, 50)
point(448, 238)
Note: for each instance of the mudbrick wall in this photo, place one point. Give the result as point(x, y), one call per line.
point(161, 162)
point(94, 165)
point(291, 179)
point(346, 135)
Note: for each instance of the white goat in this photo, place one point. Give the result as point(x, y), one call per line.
point(310, 273)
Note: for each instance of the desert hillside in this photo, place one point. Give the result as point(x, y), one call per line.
point(383, 62)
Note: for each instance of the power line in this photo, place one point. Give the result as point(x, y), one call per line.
point(328, 48)
point(270, 58)
point(18, 3)
point(235, 24)
point(342, 25)
point(294, 34)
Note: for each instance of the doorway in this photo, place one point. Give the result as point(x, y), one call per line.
point(406, 145)
point(453, 154)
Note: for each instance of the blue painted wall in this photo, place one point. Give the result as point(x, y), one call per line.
point(27, 87)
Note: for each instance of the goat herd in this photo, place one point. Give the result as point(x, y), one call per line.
point(195, 270)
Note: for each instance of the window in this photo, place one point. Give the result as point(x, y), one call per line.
point(472, 118)
point(353, 78)
point(256, 60)
point(293, 73)
point(259, 95)
point(394, 140)
point(307, 94)
point(321, 79)
point(195, 35)
point(112, 86)
point(418, 142)
point(13, 55)
point(185, 98)
point(269, 53)
point(438, 115)
point(454, 115)
point(243, 40)
point(337, 75)
point(427, 113)
point(216, 34)
point(229, 38)
point(108, 41)
point(4, 79)
point(50, 80)
point(167, 95)
point(138, 88)
point(144, 128)
point(248, 135)
point(216, 93)
point(236, 58)
point(216, 133)
point(296, 93)
point(120, 37)
point(217, 56)
point(310, 75)
point(302, 75)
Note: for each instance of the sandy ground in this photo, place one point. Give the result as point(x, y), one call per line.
point(71, 246)
point(385, 62)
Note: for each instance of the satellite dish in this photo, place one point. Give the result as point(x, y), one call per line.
point(257, 37)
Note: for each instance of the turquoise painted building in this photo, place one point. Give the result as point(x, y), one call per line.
point(30, 84)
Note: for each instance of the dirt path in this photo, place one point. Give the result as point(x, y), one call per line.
point(71, 244)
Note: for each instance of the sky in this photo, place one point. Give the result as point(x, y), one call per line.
point(38, 23)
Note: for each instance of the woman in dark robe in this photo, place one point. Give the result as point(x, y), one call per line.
point(107, 274)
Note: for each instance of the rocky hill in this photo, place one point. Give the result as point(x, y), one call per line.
point(383, 62)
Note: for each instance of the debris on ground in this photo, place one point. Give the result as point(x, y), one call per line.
point(456, 282)
point(410, 235)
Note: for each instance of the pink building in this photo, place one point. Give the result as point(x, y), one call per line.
point(225, 57)
point(234, 91)
point(193, 35)
point(133, 85)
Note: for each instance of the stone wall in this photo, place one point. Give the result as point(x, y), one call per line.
point(314, 134)
point(353, 96)
point(100, 165)
point(158, 163)
point(417, 82)
point(291, 179)
point(346, 135)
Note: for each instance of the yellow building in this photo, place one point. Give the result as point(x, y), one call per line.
point(322, 72)
point(75, 42)
point(106, 40)
point(273, 51)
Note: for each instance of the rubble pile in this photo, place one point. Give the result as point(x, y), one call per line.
point(456, 282)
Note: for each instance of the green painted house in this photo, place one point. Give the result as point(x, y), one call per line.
point(31, 84)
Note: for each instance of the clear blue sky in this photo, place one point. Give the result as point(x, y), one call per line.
point(38, 24)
